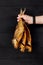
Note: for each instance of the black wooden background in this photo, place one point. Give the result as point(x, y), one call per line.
point(9, 10)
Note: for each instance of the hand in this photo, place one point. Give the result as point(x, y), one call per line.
point(27, 19)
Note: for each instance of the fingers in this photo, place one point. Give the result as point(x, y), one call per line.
point(19, 17)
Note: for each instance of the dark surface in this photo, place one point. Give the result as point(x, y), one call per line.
point(8, 13)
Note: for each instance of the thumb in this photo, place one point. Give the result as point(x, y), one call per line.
point(20, 16)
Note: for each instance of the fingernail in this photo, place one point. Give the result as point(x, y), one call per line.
point(18, 15)
point(17, 20)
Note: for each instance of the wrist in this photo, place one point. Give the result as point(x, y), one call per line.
point(31, 20)
point(39, 19)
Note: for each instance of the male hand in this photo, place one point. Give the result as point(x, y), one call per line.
point(28, 19)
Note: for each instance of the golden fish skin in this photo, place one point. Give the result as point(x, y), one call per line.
point(18, 34)
point(15, 43)
point(24, 38)
point(28, 38)
point(29, 48)
point(19, 29)
point(23, 42)
point(28, 35)
point(22, 48)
